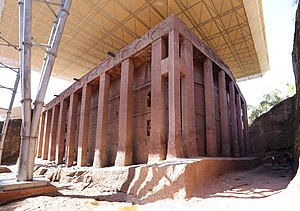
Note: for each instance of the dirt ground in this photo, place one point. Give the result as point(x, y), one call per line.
point(263, 188)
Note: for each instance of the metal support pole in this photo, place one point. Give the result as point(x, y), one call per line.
point(25, 28)
point(46, 72)
point(8, 113)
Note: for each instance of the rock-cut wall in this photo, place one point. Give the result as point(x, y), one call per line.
point(296, 68)
point(12, 142)
point(272, 131)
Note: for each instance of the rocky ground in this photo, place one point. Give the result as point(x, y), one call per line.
point(262, 188)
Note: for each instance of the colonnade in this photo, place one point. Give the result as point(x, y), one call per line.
point(173, 130)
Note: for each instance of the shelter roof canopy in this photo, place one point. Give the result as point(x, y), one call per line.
point(234, 29)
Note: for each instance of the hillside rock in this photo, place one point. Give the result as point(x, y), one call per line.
point(12, 142)
point(272, 131)
point(296, 68)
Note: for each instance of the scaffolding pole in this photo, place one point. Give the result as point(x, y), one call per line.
point(27, 152)
point(25, 69)
point(8, 113)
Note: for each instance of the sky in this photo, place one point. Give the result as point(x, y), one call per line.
point(279, 25)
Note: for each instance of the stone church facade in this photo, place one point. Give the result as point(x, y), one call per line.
point(165, 95)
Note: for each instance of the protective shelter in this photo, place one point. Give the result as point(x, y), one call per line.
point(233, 29)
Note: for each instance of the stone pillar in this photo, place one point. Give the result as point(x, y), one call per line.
point(157, 146)
point(53, 133)
point(239, 124)
point(70, 139)
point(100, 156)
point(245, 129)
point(174, 137)
point(47, 135)
point(84, 122)
point(210, 119)
point(224, 114)
point(188, 101)
point(60, 138)
point(41, 135)
point(124, 154)
point(235, 144)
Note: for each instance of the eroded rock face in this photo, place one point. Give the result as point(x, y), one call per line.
point(272, 131)
point(296, 68)
point(12, 142)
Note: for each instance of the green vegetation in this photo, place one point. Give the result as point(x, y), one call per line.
point(269, 100)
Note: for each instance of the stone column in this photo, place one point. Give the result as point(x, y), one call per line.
point(47, 135)
point(239, 124)
point(235, 144)
point(174, 139)
point(53, 133)
point(41, 135)
point(70, 139)
point(188, 101)
point(245, 130)
point(157, 146)
point(60, 138)
point(84, 122)
point(210, 119)
point(100, 156)
point(224, 114)
point(124, 154)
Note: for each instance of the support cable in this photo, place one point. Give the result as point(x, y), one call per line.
point(4, 87)
point(9, 43)
point(9, 67)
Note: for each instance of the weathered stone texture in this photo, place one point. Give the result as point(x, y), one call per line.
point(273, 130)
point(12, 142)
point(296, 68)
point(158, 98)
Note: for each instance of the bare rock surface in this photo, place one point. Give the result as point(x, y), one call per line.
point(257, 189)
point(272, 131)
point(12, 142)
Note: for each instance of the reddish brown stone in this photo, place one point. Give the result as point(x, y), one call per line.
point(60, 139)
point(70, 139)
point(234, 132)
point(41, 135)
point(100, 159)
point(46, 135)
point(84, 125)
point(224, 115)
point(246, 129)
point(211, 137)
point(53, 133)
point(240, 125)
point(188, 100)
point(174, 139)
point(124, 155)
point(157, 146)
point(13, 195)
point(163, 96)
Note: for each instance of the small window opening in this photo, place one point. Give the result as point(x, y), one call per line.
point(148, 127)
point(149, 99)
